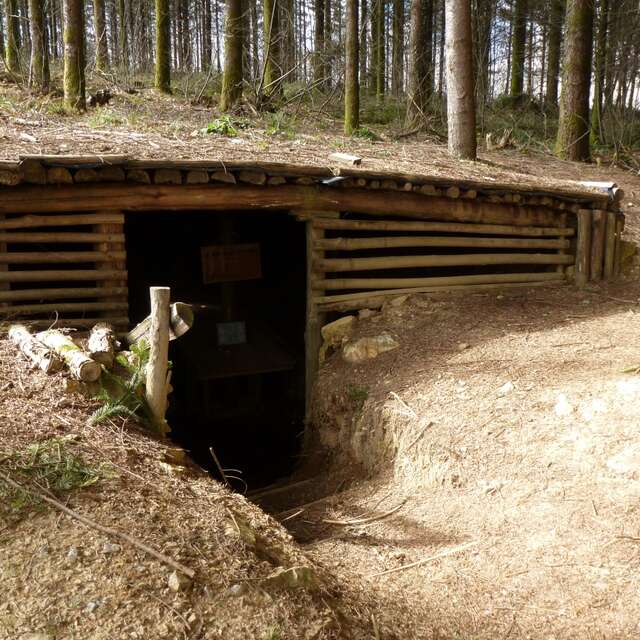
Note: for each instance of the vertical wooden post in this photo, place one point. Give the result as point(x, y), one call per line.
point(156, 390)
point(617, 260)
point(597, 244)
point(610, 245)
point(315, 319)
point(583, 247)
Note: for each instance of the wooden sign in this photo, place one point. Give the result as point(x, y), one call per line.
point(231, 262)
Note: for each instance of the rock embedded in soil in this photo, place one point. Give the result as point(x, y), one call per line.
point(368, 348)
point(178, 582)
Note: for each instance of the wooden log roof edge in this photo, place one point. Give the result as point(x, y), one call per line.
point(605, 195)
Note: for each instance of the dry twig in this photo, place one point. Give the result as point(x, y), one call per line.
point(346, 523)
point(99, 527)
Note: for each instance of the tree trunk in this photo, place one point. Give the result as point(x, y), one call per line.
point(573, 130)
point(319, 53)
point(233, 74)
point(287, 29)
point(518, 47)
point(377, 48)
point(206, 35)
point(421, 70)
point(11, 59)
point(328, 43)
point(163, 47)
point(482, 47)
point(100, 28)
point(122, 34)
point(39, 66)
point(351, 84)
point(81, 366)
point(74, 60)
point(397, 77)
point(39, 354)
point(598, 72)
point(461, 115)
point(272, 48)
point(553, 56)
point(2, 49)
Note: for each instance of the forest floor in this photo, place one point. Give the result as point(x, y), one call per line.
point(528, 474)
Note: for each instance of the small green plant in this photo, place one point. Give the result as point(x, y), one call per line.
point(274, 633)
point(50, 465)
point(123, 396)
point(226, 126)
point(105, 118)
point(357, 395)
point(281, 124)
point(366, 134)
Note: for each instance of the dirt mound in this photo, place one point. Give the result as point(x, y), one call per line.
point(62, 579)
point(504, 431)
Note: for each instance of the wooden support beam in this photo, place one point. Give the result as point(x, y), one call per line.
point(156, 379)
point(60, 257)
point(375, 299)
point(583, 248)
point(617, 260)
point(408, 262)
point(598, 220)
point(56, 237)
point(444, 227)
point(140, 197)
point(314, 318)
point(610, 245)
point(334, 284)
point(113, 248)
point(78, 323)
point(355, 244)
point(63, 307)
point(72, 275)
point(30, 221)
point(61, 294)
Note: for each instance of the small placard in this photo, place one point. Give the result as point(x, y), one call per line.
point(231, 333)
point(230, 262)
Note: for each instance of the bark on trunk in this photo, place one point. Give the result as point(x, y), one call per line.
point(102, 343)
point(573, 131)
point(397, 77)
point(421, 71)
point(272, 48)
point(461, 116)
point(598, 73)
point(553, 58)
point(518, 47)
point(39, 66)
point(80, 364)
point(11, 59)
point(163, 47)
point(39, 354)
point(100, 28)
point(351, 85)
point(74, 59)
point(233, 74)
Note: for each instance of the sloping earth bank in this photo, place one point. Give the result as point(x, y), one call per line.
point(62, 580)
point(502, 422)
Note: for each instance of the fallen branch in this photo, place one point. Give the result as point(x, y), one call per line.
point(99, 527)
point(443, 554)
point(415, 440)
point(346, 523)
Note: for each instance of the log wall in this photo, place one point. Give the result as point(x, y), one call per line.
point(68, 267)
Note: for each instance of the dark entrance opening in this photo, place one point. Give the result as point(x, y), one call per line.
point(238, 374)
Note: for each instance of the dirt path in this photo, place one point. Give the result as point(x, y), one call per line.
point(533, 455)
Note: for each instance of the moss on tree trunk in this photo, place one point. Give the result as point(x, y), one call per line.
point(351, 84)
point(163, 47)
point(518, 47)
point(11, 59)
point(272, 48)
point(100, 28)
point(573, 129)
point(233, 74)
point(39, 65)
point(74, 60)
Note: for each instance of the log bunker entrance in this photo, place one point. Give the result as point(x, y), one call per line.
point(238, 374)
point(268, 253)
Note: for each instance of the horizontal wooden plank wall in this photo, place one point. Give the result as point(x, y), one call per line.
point(482, 256)
point(76, 275)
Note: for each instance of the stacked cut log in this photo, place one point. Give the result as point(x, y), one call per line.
point(50, 350)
